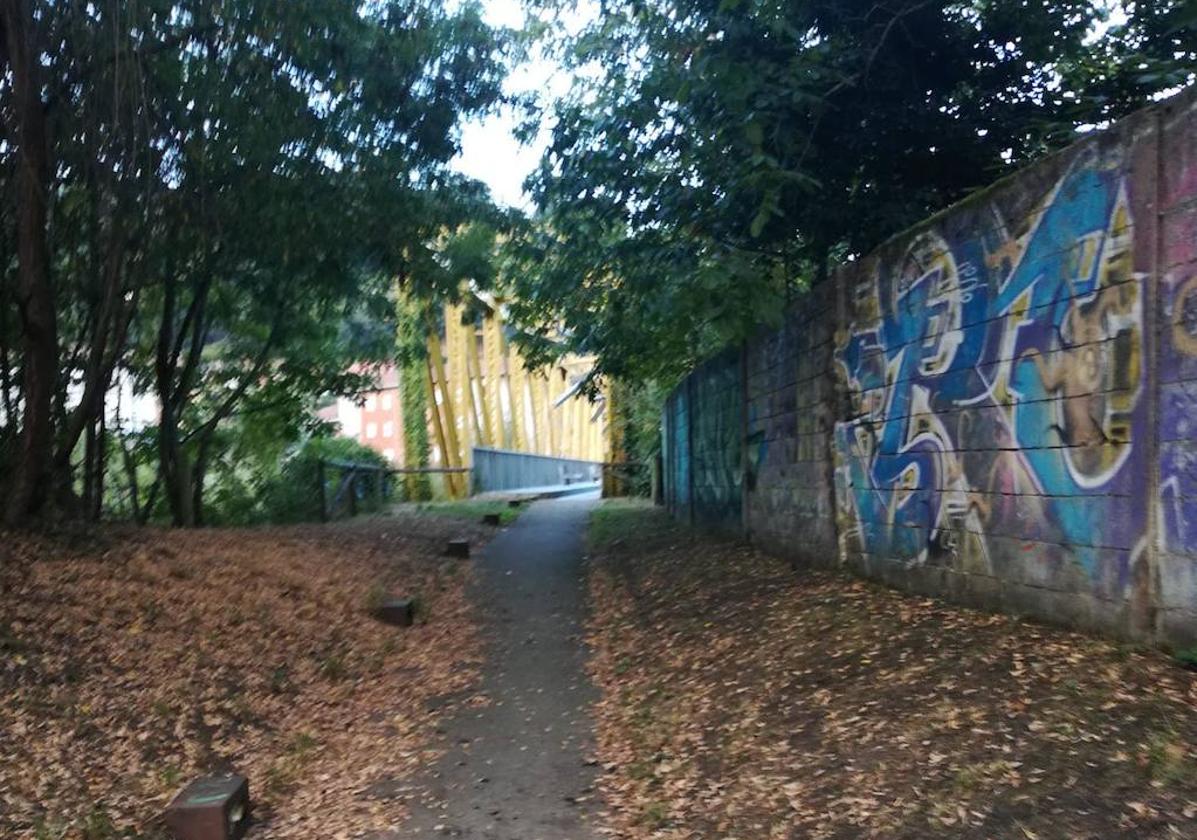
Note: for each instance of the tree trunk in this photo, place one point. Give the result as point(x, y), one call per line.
point(198, 475)
point(176, 471)
point(90, 441)
point(109, 329)
point(131, 477)
point(29, 485)
point(95, 461)
point(173, 471)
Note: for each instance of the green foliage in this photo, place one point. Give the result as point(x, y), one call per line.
point(234, 187)
point(417, 452)
point(411, 356)
point(641, 416)
point(293, 494)
point(714, 157)
point(1187, 657)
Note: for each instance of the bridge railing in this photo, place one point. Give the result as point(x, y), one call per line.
point(346, 486)
point(502, 469)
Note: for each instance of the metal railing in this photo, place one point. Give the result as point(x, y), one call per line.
point(354, 485)
point(502, 469)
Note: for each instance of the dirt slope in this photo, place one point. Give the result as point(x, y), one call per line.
point(131, 660)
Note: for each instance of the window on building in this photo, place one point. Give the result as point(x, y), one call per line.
point(386, 402)
point(371, 401)
point(388, 429)
point(389, 454)
point(371, 430)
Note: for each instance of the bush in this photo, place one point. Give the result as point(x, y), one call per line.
point(1187, 657)
point(294, 496)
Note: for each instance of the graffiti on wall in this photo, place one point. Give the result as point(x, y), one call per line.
point(1178, 362)
point(994, 374)
point(1178, 416)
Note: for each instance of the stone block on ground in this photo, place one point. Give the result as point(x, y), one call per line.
point(214, 807)
point(401, 612)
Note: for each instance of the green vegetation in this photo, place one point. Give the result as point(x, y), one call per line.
point(235, 212)
point(210, 204)
point(473, 509)
point(620, 519)
point(1168, 758)
point(713, 159)
point(1186, 657)
point(411, 354)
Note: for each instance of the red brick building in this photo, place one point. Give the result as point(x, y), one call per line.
point(374, 418)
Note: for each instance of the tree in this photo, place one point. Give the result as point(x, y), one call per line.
point(716, 156)
point(34, 297)
point(212, 201)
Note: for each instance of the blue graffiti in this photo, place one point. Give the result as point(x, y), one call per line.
point(991, 381)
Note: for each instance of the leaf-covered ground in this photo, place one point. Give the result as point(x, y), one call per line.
point(131, 660)
point(743, 700)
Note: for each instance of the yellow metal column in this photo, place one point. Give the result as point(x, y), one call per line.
point(460, 379)
point(540, 429)
point(516, 392)
point(482, 415)
point(492, 352)
point(550, 415)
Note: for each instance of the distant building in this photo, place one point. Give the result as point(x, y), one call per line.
point(373, 418)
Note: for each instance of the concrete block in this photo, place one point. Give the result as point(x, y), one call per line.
point(401, 612)
point(457, 548)
point(212, 807)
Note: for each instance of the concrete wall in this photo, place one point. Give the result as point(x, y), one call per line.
point(999, 405)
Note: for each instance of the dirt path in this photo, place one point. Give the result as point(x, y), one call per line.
point(517, 768)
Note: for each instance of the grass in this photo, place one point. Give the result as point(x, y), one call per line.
point(619, 519)
point(1167, 758)
point(469, 509)
point(1187, 658)
point(333, 667)
point(656, 814)
point(170, 776)
point(285, 772)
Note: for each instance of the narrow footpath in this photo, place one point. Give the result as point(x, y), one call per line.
point(520, 768)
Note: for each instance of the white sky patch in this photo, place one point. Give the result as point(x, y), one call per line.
point(489, 150)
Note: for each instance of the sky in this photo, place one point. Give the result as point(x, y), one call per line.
point(489, 151)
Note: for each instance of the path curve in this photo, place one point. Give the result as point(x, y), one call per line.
point(521, 768)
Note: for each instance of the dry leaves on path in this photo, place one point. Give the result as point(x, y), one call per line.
point(743, 700)
point(132, 660)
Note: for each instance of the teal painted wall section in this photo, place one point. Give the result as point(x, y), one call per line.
point(676, 453)
point(717, 404)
